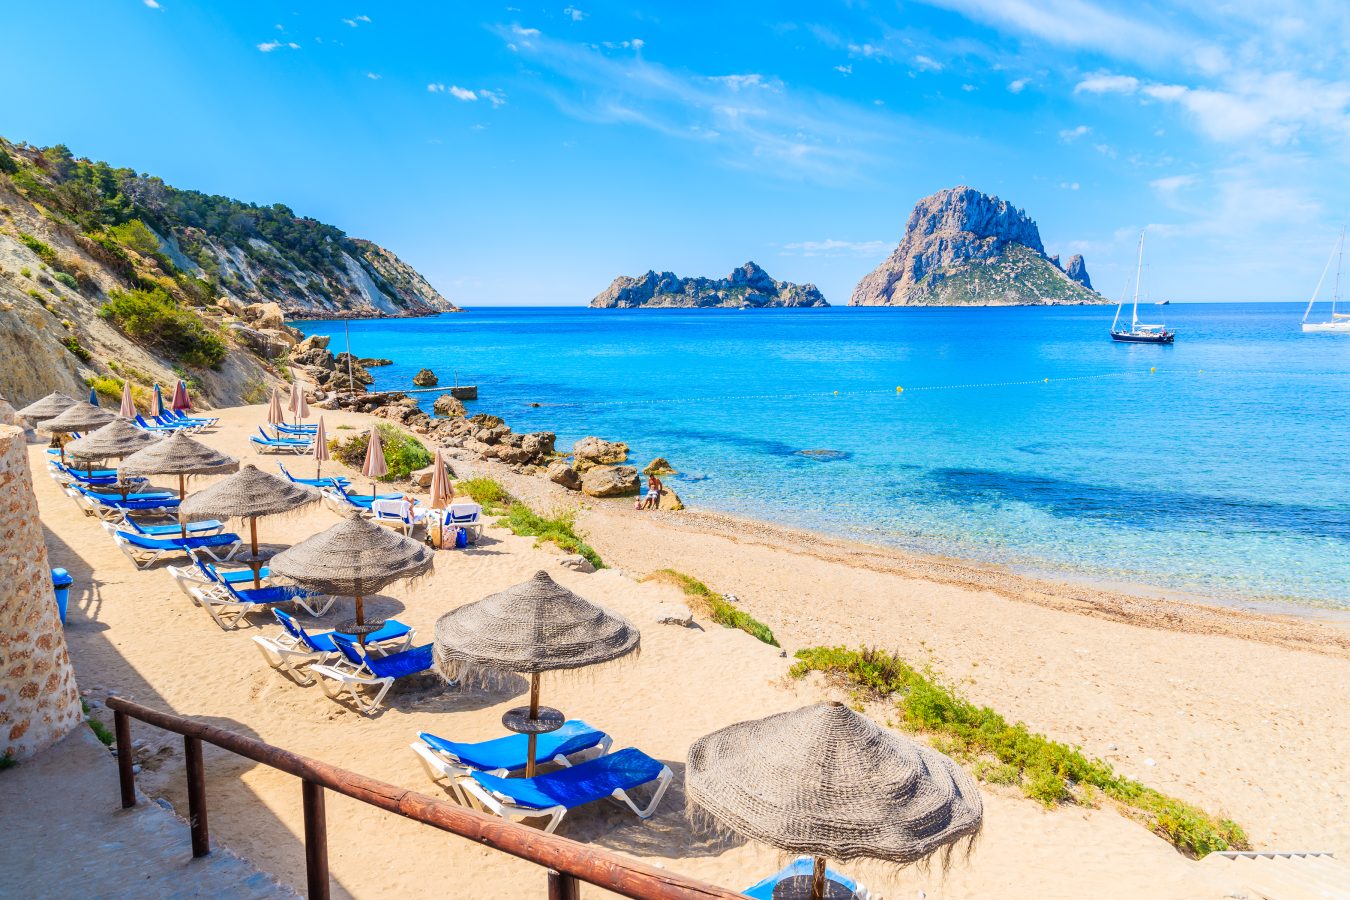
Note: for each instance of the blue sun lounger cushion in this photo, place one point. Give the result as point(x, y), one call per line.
point(508, 754)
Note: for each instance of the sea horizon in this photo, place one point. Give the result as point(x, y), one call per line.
point(1129, 466)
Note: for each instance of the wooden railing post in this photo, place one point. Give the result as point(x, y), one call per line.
point(122, 729)
point(563, 887)
point(316, 840)
point(196, 785)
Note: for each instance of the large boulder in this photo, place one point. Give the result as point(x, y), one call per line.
point(426, 378)
point(313, 351)
point(448, 407)
point(659, 466)
point(265, 315)
point(538, 444)
point(610, 481)
point(563, 474)
point(670, 501)
point(594, 451)
point(359, 373)
point(371, 362)
point(316, 341)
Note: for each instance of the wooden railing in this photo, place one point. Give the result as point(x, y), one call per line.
point(568, 862)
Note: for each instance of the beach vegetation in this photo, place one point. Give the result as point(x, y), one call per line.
point(41, 248)
point(72, 343)
point(1010, 753)
point(109, 387)
point(26, 272)
point(101, 731)
point(8, 761)
point(488, 493)
point(153, 317)
point(558, 528)
point(68, 280)
point(715, 606)
point(403, 453)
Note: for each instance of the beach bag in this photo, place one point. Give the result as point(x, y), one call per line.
point(461, 538)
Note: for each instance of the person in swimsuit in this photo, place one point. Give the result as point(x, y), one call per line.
point(654, 489)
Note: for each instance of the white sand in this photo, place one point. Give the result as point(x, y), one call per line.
point(1246, 727)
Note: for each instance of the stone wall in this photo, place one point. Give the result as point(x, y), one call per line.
point(39, 703)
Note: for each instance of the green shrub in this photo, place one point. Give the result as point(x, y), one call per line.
point(72, 344)
point(487, 493)
point(43, 250)
point(403, 453)
point(109, 387)
point(26, 272)
point(560, 529)
point(1046, 770)
point(68, 280)
point(106, 737)
point(7, 761)
point(136, 235)
point(704, 599)
point(153, 317)
point(7, 163)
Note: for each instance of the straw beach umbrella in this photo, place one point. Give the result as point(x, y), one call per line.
point(248, 494)
point(828, 782)
point(76, 417)
point(128, 408)
point(178, 455)
point(354, 558)
point(536, 626)
point(320, 449)
point(374, 466)
point(117, 439)
point(49, 407)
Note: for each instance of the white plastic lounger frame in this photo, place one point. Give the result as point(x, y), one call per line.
point(145, 557)
point(402, 514)
point(285, 653)
point(441, 765)
point(502, 806)
point(344, 678)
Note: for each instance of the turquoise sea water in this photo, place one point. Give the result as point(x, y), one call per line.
point(1216, 466)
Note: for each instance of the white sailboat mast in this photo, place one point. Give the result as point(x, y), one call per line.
point(1138, 270)
point(1335, 252)
point(1336, 291)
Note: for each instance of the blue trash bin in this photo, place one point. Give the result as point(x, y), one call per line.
point(62, 581)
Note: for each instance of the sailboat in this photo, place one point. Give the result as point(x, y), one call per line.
point(1138, 332)
point(1339, 323)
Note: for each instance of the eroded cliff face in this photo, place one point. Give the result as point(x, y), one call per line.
point(747, 287)
point(965, 248)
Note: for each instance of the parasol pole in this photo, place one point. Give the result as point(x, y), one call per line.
point(818, 879)
point(182, 492)
point(533, 739)
point(253, 542)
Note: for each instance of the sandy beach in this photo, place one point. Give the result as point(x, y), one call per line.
point(1244, 714)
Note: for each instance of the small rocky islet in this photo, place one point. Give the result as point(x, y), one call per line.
point(748, 287)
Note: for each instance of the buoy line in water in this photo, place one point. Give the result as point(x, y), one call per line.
point(900, 390)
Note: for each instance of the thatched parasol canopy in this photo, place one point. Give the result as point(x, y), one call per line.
point(49, 407)
point(77, 417)
point(118, 438)
point(177, 454)
point(247, 494)
point(826, 781)
point(354, 558)
point(536, 626)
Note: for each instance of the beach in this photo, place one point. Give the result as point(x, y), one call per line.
point(1244, 714)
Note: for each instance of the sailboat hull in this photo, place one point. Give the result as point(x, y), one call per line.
point(1327, 327)
point(1129, 337)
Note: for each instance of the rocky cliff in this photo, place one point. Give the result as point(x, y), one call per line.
point(746, 287)
point(965, 248)
point(108, 275)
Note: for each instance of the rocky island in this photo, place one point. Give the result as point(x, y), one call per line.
point(748, 287)
point(965, 248)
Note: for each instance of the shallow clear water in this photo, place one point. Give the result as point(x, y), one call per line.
point(1223, 472)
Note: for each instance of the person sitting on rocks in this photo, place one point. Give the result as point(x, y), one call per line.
point(654, 489)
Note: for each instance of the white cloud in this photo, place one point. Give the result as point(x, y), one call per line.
point(356, 21)
point(436, 88)
point(927, 64)
point(496, 98)
point(968, 88)
point(1069, 135)
point(153, 4)
point(1105, 83)
point(574, 14)
point(832, 247)
point(634, 44)
point(742, 82)
point(1017, 86)
point(844, 70)
point(373, 76)
point(269, 46)
point(524, 32)
point(1172, 183)
point(866, 51)
point(1069, 185)
point(460, 93)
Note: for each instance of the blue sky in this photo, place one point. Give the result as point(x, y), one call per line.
point(529, 154)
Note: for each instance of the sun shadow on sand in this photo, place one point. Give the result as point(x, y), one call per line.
point(235, 808)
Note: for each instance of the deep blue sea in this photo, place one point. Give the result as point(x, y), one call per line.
point(1216, 466)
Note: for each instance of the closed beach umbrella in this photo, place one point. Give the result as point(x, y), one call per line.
point(181, 401)
point(49, 407)
point(441, 492)
point(93, 397)
point(178, 455)
point(828, 782)
point(248, 494)
point(274, 414)
point(298, 404)
point(354, 558)
point(536, 626)
point(374, 466)
point(128, 409)
point(320, 449)
point(159, 400)
point(76, 417)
